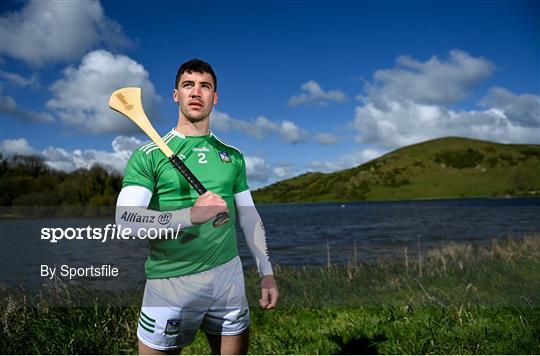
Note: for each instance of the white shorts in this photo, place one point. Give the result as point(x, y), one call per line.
point(173, 309)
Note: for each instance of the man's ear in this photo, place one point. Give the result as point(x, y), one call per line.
point(215, 98)
point(175, 96)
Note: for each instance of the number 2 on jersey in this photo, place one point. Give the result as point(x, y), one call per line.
point(202, 158)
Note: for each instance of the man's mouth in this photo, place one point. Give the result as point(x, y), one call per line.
point(196, 104)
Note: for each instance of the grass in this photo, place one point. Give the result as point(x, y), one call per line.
point(459, 299)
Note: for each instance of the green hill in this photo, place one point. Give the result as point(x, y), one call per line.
point(450, 167)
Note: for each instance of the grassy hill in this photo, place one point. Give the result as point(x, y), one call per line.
point(448, 167)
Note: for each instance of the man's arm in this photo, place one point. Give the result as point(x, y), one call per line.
point(132, 210)
point(253, 228)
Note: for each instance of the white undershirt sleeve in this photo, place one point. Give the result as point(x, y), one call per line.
point(253, 228)
point(132, 212)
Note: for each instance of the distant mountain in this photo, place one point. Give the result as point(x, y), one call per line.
point(449, 167)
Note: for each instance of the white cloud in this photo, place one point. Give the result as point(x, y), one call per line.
point(15, 147)
point(314, 94)
point(326, 139)
point(280, 172)
point(407, 105)
point(19, 80)
point(259, 172)
point(81, 97)
point(259, 128)
point(290, 132)
point(348, 160)
point(521, 109)
point(125, 144)
point(257, 169)
point(433, 82)
point(44, 32)
point(61, 159)
point(114, 161)
point(9, 106)
point(405, 123)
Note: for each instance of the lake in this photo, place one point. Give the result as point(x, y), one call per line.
point(298, 234)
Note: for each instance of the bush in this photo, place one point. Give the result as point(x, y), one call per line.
point(460, 159)
point(492, 161)
point(522, 180)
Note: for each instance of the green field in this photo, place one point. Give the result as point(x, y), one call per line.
point(460, 299)
point(449, 167)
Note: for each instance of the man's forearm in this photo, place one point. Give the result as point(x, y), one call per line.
point(253, 228)
point(132, 212)
point(255, 235)
point(137, 218)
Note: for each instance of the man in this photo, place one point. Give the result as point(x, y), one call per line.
point(195, 280)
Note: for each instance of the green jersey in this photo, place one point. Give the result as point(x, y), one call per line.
point(221, 169)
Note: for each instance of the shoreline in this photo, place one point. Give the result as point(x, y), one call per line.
point(108, 211)
point(394, 200)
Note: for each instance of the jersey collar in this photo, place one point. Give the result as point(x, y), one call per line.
point(176, 133)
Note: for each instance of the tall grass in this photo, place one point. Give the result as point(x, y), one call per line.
point(467, 299)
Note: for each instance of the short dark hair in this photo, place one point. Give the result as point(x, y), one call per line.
point(195, 65)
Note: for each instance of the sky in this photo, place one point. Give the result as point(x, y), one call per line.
point(302, 85)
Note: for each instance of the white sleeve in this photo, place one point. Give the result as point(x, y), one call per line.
point(253, 228)
point(132, 212)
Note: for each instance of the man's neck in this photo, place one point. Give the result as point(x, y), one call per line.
point(188, 128)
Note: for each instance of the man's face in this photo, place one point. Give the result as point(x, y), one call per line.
point(196, 96)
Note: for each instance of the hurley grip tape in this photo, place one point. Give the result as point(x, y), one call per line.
point(195, 183)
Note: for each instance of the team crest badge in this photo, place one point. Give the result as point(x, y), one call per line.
point(173, 327)
point(225, 157)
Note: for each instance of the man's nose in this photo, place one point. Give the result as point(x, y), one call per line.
point(196, 91)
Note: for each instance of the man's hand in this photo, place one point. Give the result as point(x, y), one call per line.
point(206, 207)
point(269, 292)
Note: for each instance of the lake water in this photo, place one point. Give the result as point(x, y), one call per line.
point(298, 234)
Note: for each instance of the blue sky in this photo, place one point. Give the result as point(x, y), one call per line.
point(303, 85)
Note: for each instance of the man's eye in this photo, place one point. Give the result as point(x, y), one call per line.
point(186, 85)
